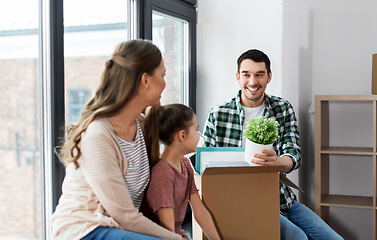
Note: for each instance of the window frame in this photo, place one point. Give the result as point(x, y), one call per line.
point(51, 75)
point(184, 9)
point(52, 87)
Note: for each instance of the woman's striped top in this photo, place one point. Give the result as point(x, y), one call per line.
point(138, 174)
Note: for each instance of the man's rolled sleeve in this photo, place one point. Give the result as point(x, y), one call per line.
point(291, 143)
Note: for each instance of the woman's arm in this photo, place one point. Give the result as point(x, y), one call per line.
point(203, 217)
point(166, 217)
point(99, 163)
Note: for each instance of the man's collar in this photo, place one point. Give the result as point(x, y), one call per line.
point(238, 102)
point(267, 100)
point(267, 103)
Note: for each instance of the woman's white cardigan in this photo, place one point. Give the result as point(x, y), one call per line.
point(96, 193)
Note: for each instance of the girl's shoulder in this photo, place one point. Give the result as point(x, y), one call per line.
point(162, 170)
point(161, 166)
point(187, 163)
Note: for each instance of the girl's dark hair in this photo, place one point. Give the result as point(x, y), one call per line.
point(161, 124)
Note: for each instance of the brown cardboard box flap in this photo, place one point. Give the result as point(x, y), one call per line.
point(288, 182)
point(240, 170)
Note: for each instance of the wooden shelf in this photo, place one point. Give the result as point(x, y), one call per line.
point(323, 151)
point(351, 98)
point(348, 150)
point(347, 201)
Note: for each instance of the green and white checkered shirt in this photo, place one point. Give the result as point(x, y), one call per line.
point(224, 129)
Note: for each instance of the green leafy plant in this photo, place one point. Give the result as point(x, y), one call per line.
point(261, 130)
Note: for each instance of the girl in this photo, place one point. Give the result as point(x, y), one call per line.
point(172, 183)
point(105, 155)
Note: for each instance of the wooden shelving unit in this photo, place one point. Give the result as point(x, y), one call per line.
point(323, 151)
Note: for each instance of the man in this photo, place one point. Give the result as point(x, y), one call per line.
point(224, 128)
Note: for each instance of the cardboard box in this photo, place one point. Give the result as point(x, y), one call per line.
point(243, 201)
point(374, 74)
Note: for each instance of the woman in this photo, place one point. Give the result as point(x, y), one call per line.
point(105, 155)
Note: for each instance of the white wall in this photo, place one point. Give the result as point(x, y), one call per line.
point(297, 71)
point(316, 48)
point(225, 30)
point(344, 37)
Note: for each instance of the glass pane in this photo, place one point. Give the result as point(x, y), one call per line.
point(170, 35)
point(20, 159)
point(92, 29)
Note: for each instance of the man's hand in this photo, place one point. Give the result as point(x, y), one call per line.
point(271, 159)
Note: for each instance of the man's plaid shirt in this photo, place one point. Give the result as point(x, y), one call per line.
point(224, 129)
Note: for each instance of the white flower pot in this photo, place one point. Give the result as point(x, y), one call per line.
point(252, 148)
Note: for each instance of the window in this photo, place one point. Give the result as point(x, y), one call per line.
point(170, 35)
point(92, 29)
point(50, 69)
point(171, 25)
point(77, 98)
point(20, 158)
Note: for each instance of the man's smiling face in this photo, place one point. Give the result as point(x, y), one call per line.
point(253, 79)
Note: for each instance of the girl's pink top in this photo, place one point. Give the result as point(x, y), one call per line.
point(169, 188)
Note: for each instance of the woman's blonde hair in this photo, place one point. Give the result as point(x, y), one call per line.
point(119, 83)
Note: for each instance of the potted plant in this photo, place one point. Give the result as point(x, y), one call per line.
point(260, 134)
